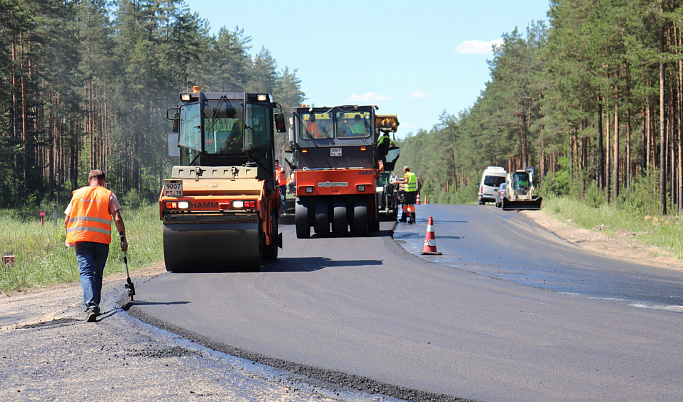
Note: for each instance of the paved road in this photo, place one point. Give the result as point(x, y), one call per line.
point(367, 313)
point(504, 245)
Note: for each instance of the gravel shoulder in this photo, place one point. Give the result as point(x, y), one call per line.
point(48, 352)
point(624, 246)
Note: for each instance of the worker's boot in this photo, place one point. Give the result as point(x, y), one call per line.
point(403, 217)
point(411, 217)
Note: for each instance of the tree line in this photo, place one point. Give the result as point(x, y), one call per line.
point(86, 85)
point(593, 100)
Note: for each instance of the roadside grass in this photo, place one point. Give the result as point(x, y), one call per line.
point(663, 232)
point(42, 259)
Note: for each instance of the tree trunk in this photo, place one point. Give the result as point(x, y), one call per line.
point(615, 171)
point(662, 141)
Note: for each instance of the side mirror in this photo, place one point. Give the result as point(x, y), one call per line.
point(173, 149)
point(280, 123)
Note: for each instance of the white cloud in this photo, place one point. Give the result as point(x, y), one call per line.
point(476, 46)
point(367, 97)
point(418, 95)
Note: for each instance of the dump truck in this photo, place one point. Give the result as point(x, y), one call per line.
point(519, 191)
point(221, 205)
point(333, 150)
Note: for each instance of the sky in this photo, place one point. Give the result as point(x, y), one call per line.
point(416, 59)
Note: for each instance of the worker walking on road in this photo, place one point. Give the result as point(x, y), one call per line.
point(409, 182)
point(88, 229)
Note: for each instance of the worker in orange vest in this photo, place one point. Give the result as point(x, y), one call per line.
point(281, 178)
point(88, 229)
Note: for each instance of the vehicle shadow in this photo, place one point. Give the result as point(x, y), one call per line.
point(310, 264)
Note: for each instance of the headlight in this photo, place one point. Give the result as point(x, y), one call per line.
point(309, 190)
point(238, 204)
point(361, 187)
point(183, 205)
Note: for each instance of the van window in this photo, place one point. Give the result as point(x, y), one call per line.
point(494, 181)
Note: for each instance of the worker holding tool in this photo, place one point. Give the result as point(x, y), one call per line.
point(88, 229)
point(409, 182)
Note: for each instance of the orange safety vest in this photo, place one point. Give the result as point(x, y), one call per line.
point(89, 218)
point(281, 177)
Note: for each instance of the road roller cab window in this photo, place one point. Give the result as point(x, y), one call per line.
point(353, 124)
point(223, 127)
point(258, 133)
point(315, 125)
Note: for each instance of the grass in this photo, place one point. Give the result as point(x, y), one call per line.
point(663, 232)
point(42, 259)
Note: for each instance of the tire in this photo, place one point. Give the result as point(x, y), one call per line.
point(322, 218)
point(360, 218)
point(339, 223)
point(303, 228)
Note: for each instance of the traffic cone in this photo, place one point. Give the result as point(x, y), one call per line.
point(430, 240)
point(418, 199)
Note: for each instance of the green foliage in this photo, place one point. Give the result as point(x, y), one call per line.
point(593, 198)
point(96, 78)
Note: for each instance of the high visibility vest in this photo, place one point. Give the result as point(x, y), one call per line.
point(384, 141)
point(312, 129)
point(411, 184)
point(89, 218)
point(281, 177)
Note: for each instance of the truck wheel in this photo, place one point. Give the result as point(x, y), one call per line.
point(303, 229)
point(339, 225)
point(360, 218)
point(322, 218)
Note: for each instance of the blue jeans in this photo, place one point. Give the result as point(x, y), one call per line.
point(91, 258)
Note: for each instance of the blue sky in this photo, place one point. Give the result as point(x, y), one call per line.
point(411, 58)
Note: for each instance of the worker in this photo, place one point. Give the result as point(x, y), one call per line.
point(233, 144)
point(281, 178)
point(383, 144)
point(312, 127)
point(88, 229)
point(358, 126)
point(409, 183)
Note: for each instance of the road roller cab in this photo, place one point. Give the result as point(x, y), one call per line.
point(221, 205)
point(335, 157)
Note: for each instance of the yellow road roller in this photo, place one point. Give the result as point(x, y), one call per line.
point(221, 205)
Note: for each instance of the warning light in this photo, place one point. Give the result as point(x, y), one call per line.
point(195, 89)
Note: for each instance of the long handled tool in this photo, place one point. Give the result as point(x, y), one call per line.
point(129, 284)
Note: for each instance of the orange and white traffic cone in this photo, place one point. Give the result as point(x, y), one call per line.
point(430, 240)
point(418, 199)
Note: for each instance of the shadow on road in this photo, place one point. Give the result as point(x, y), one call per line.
point(310, 264)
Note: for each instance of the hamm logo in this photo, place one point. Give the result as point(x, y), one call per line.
point(204, 205)
point(328, 184)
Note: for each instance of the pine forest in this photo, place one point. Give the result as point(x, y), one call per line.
point(86, 85)
point(592, 99)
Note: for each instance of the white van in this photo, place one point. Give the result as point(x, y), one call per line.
point(492, 178)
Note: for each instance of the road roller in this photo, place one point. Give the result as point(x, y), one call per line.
point(221, 205)
point(336, 162)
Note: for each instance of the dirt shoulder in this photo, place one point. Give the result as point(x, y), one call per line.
point(625, 246)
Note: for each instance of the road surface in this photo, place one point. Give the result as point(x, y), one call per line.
point(370, 314)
